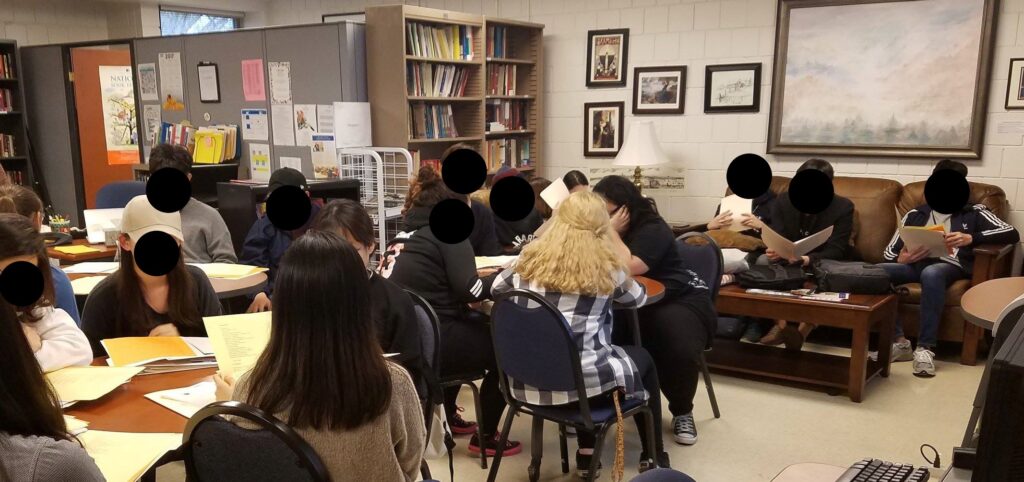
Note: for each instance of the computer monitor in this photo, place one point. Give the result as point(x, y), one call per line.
point(1001, 441)
point(99, 220)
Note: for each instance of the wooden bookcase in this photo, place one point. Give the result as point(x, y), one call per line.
point(12, 120)
point(389, 63)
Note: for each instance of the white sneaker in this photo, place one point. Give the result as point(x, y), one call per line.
point(924, 363)
point(902, 351)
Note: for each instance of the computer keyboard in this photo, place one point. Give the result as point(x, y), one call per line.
point(874, 470)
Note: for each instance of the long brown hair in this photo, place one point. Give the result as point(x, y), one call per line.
point(18, 237)
point(323, 364)
point(133, 315)
point(20, 200)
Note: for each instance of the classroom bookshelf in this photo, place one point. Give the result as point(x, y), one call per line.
point(14, 153)
point(437, 78)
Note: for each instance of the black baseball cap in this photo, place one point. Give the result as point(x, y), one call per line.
point(287, 176)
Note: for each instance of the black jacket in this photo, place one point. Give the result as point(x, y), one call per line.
point(983, 226)
point(444, 274)
point(398, 330)
point(794, 225)
point(484, 238)
point(514, 235)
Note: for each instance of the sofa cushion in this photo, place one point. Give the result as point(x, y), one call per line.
point(911, 292)
point(991, 196)
point(874, 219)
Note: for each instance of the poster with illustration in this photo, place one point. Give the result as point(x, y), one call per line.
point(117, 91)
point(305, 124)
point(171, 88)
point(147, 82)
point(607, 51)
point(324, 156)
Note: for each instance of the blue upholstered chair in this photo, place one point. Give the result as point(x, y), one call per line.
point(705, 259)
point(116, 195)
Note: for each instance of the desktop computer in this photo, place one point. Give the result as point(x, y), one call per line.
point(1000, 455)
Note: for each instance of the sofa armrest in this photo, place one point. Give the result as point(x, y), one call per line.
point(683, 228)
point(991, 261)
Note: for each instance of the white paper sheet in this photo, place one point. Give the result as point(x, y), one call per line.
point(171, 92)
point(91, 267)
point(555, 193)
point(789, 249)
point(292, 162)
point(305, 124)
point(739, 207)
point(188, 400)
point(352, 124)
point(935, 241)
point(151, 120)
point(255, 125)
point(147, 82)
point(209, 89)
point(280, 82)
point(325, 118)
point(281, 119)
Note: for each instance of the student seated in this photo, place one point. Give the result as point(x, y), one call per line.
point(207, 239)
point(971, 226)
point(676, 329)
point(22, 200)
point(539, 184)
point(576, 181)
point(35, 445)
point(483, 238)
point(513, 235)
point(323, 373)
point(52, 335)
point(760, 215)
point(446, 276)
point(794, 225)
point(579, 235)
point(265, 244)
point(393, 313)
point(131, 302)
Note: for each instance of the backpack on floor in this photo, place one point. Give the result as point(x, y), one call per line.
point(772, 277)
point(855, 277)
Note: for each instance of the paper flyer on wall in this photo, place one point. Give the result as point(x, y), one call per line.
point(324, 155)
point(151, 122)
point(147, 82)
point(171, 91)
point(281, 123)
point(325, 118)
point(259, 162)
point(305, 124)
point(252, 80)
point(254, 125)
point(117, 90)
point(292, 162)
point(352, 124)
point(280, 82)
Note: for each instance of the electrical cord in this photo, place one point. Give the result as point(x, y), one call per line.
point(937, 461)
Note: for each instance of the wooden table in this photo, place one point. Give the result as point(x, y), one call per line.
point(860, 314)
point(105, 252)
point(225, 288)
point(983, 303)
point(655, 290)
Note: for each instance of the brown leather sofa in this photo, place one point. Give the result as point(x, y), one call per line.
point(876, 202)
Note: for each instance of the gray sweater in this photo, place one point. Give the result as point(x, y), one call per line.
point(43, 459)
point(207, 239)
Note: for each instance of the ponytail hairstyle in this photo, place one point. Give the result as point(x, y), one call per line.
point(20, 200)
point(18, 237)
point(429, 189)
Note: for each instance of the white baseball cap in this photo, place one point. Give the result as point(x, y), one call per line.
point(140, 217)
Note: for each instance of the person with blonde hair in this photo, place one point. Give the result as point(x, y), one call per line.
point(579, 265)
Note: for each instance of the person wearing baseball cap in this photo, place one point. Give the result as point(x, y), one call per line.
point(134, 302)
point(265, 244)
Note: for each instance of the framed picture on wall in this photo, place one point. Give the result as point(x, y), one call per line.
point(602, 128)
point(834, 91)
point(659, 90)
point(732, 88)
point(607, 52)
point(1015, 85)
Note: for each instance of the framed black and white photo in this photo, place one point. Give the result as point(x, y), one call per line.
point(659, 90)
point(602, 128)
point(607, 52)
point(732, 88)
point(1015, 85)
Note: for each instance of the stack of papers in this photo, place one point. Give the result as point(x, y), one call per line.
point(931, 237)
point(84, 286)
point(76, 249)
point(75, 426)
point(228, 271)
point(92, 267)
point(156, 354)
point(493, 261)
point(739, 206)
point(124, 457)
point(74, 384)
point(803, 294)
point(238, 340)
point(216, 144)
point(186, 401)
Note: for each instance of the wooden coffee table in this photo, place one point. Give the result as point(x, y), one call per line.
point(860, 313)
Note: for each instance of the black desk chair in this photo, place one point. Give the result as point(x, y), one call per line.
point(706, 261)
point(215, 449)
point(533, 345)
point(430, 325)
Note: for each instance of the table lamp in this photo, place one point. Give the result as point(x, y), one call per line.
point(641, 148)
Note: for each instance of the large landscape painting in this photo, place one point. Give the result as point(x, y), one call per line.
point(896, 78)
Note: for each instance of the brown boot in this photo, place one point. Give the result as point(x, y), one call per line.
point(794, 337)
point(774, 336)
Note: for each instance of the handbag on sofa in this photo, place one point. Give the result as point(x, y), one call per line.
point(854, 277)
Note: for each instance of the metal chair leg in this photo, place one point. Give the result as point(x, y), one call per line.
point(536, 448)
point(709, 385)
point(595, 459)
point(652, 448)
point(563, 448)
point(425, 470)
point(501, 443)
point(479, 430)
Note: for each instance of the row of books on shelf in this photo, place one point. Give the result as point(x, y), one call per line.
point(506, 115)
point(208, 145)
point(432, 121)
point(7, 67)
point(451, 42)
point(497, 41)
point(16, 177)
point(7, 145)
point(508, 152)
point(501, 80)
point(419, 163)
point(435, 80)
point(6, 100)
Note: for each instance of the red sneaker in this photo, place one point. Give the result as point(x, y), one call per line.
point(511, 447)
point(460, 426)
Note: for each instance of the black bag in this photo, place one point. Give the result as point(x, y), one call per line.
point(853, 277)
point(772, 277)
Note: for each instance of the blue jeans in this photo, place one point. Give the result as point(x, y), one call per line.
point(935, 276)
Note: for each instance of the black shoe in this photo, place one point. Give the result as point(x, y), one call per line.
point(647, 463)
point(583, 466)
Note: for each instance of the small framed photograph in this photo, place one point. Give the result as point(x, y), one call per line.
point(1015, 85)
point(732, 88)
point(607, 51)
point(602, 128)
point(659, 90)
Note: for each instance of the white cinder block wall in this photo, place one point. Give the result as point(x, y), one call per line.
point(696, 33)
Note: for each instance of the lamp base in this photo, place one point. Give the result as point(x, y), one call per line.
point(638, 179)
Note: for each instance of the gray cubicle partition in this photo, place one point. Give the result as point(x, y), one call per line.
point(147, 51)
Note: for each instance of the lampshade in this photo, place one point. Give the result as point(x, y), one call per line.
point(641, 147)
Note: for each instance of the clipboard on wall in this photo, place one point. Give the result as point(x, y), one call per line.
point(209, 83)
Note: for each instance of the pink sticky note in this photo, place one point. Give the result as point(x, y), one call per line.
point(253, 85)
